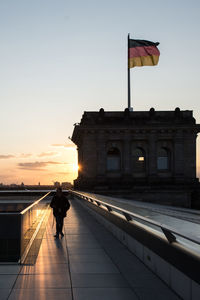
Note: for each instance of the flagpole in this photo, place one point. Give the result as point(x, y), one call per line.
point(129, 89)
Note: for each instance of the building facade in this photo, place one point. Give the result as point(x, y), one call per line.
point(136, 151)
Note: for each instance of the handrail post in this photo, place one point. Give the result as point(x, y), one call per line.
point(108, 208)
point(127, 216)
point(170, 237)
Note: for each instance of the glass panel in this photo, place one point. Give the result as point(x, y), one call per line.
point(113, 163)
point(162, 163)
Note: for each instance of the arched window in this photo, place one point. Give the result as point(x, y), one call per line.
point(163, 159)
point(113, 160)
point(139, 160)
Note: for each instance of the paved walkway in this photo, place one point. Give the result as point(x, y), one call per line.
point(89, 263)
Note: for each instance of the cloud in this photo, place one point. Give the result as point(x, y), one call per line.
point(6, 156)
point(43, 154)
point(37, 165)
point(25, 155)
point(67, 146)
point(55, 162)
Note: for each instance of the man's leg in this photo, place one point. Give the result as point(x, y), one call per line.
point(57, 226)
point(61, 226)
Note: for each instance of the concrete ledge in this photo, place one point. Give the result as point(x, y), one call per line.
point(178, 268)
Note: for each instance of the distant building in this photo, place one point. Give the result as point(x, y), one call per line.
point(66, 185)
point(148, 154)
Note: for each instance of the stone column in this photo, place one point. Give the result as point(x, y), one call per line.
point(101, 155)
point(178, 159)
point(152, 157)
point(79, 159)
point(190, 156)
point(84, 156)
point(127, 155)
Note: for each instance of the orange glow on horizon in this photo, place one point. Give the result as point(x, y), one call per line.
point(31, 170)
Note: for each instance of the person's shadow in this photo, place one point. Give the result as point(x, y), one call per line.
point(61, 246)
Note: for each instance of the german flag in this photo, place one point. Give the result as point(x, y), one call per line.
point(142, 53)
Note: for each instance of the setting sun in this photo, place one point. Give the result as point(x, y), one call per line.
point(75, 167)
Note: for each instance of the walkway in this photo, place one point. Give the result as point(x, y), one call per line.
point(89, 263)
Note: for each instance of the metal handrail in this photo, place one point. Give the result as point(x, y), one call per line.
point(167, 230)
point(25, 209)
point(34, 203)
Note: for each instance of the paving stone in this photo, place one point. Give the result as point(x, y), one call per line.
point(38, 281)
point(41, 294)
point(98, 280)
point(104, 294)
point(9, 269)
point(4, 293)
point(7, 281)
point(93, 267)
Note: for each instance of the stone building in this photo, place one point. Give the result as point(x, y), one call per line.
point(146, 154)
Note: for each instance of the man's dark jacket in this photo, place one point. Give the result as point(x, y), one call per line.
point(60, 205)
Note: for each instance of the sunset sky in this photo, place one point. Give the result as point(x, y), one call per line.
point(61, 58)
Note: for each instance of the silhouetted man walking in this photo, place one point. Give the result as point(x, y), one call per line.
point(60, 205)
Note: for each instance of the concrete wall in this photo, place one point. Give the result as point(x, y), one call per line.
point(182, 284)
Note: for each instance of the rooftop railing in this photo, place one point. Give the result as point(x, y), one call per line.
point(171, 234)
point(18, 230)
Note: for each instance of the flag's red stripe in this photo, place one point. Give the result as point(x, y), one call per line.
point(143, 51)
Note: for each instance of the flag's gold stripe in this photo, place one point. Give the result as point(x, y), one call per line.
point(143, 61)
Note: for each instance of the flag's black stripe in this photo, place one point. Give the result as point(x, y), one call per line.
point(141, 43)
